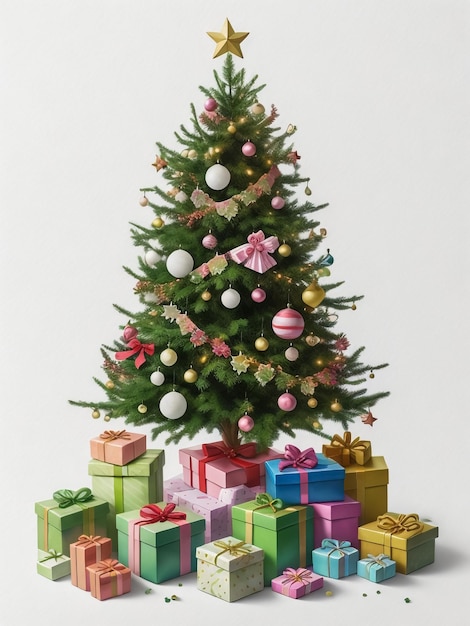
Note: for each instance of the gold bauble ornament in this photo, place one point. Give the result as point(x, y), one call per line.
point(95, 414)
point(313, 295)
point(190, 375)
point(232, 129)
point(353, 307)
point(206, 296)
point(257, 109)
point(261, 344)
point(109, 384)
point(371, 375)
point(312, 402)
point(158, 222)
point(284, 250)
point(317, 425)
point(336, 406)
point(107, 418)
point(142, 408)
point(312, 340)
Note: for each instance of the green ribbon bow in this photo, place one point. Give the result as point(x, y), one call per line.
point(66, 497)
point(264, 499)
point(53, 554)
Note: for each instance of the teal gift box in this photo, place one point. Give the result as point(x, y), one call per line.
point(285, 533)
point(376, 568)
point(128, 487)
point(300, 485)
point(335, 559)
point(159, 541)
point(69, 514)
point(53, 564)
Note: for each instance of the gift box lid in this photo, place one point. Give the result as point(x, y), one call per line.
point(144, 465)
point(230, 554)
point(70, 516)
point(326, 469)
point(404, 540)
point(337, 510)
point(373, 473)
point(160, 533)
point(270, 519)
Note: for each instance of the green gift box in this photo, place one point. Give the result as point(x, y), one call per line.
point(128, 487)
point(69, 514)
point(159, 541)
point(284, 533)
point(53, 564)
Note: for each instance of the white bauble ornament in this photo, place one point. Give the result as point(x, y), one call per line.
point(168, 357)
point(291, 354)
point(173, 405)
point(217, 177)
point(151, 258)
point(179, 263)
point(157, 378)
point(230, 298)
point(151, 298)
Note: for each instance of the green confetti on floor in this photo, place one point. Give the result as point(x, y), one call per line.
point(167, 600)
point(407, 600)
point(364, 595)
point(147, 591)
point(378, 591)
point(328, 593)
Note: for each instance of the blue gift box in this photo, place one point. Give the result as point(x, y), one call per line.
point(335, 559)
point(298, 485)
point(376, 568)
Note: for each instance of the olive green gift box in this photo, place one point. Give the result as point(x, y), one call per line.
point(285, 534)
point(128, 487)
point(53, 564)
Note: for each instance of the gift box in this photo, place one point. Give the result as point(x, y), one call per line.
point(336, 519)
point(53, 564)
point(217, 514)
point(296, 583)
point(345, 450)
point(87, 551)
point(108, 579)
point(229, 569)
point(236, 495)
point(173, 486)
point(215, 466)
point(376, 568)
point(285, 533)
point(159, 541)
point(368, 484)
point(409, 541)
point(335, 559)
point(302, 481)
point(118, 447)
point(68, 515)
point(128, 487)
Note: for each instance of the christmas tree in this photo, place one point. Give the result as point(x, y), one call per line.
point(236, 332)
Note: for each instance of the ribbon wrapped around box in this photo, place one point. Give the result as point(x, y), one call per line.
point(118, 447)
point(87, 550)
point(53, 564)
point(296, 582)
point(345, 450)
point(68, 515)
point(335, 559)
point(409, 541)
point(376, 568)
point(159, 541)
point(108, 579)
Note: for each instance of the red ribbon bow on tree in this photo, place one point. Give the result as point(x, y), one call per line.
point(152, 513)
point(136, 347)
point(255, 253)
point(293, 457)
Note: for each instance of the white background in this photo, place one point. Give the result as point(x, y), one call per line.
point(379, 92)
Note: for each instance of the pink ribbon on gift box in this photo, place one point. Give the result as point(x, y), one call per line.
point(255, 253)
point(219, 450)
point(136, 347)
point(294, 457)
point(292, 576)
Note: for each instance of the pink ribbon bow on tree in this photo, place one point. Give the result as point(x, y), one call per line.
point(255, 253)
point(293, 457)
point(136, 347)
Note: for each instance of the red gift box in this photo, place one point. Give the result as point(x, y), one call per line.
point(109, 579)
point(118, 447)
point(87, 551)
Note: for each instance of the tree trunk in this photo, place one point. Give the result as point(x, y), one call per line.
point(229, 432)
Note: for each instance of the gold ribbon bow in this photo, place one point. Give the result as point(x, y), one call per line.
point(353, 445)
point(300, 575)
point(88, 540)
point(111, 435)
point(234, 549)
point(406, 523)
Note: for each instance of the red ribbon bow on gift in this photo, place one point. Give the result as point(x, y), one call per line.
point(255, 253)
point(136, 347)
point(219, 450)
point(152, 513)
point(299, 575)
point(293, 457)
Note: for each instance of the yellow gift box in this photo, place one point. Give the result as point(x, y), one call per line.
point(345, 450)
point(368, 484)
point(405, 538)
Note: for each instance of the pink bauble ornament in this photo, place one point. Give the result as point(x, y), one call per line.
point(278, 203)
point(210, 104)
point(209, 241)
point(287, 402)
point(291, 354)
point(246, 423)
point(249, 149)
point(258, 295)
point(129, 333)
point(288, 324)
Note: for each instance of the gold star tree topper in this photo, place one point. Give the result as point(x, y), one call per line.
point(227, 40)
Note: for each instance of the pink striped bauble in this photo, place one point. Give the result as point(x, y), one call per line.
point(288, 324)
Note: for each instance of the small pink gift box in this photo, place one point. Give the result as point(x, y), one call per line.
point(118, 447)
point(296, 583)
point(109, 579)
point(86, 551)
point(172, 487)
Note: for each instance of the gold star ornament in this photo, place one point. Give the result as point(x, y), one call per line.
point(227, 40)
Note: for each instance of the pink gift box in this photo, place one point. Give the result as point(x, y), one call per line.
point(224, 471)
point(173, 486)
point(87, 551)
point(296, 583)
point(336, 519)
point(217, 514)
point(109, 579)
point(236, 495)
point(118, 447)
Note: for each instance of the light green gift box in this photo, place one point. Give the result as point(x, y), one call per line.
point(53, 564)
point(128, 487)
point(61, 520)
point(230, 569)
point(284, 533)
